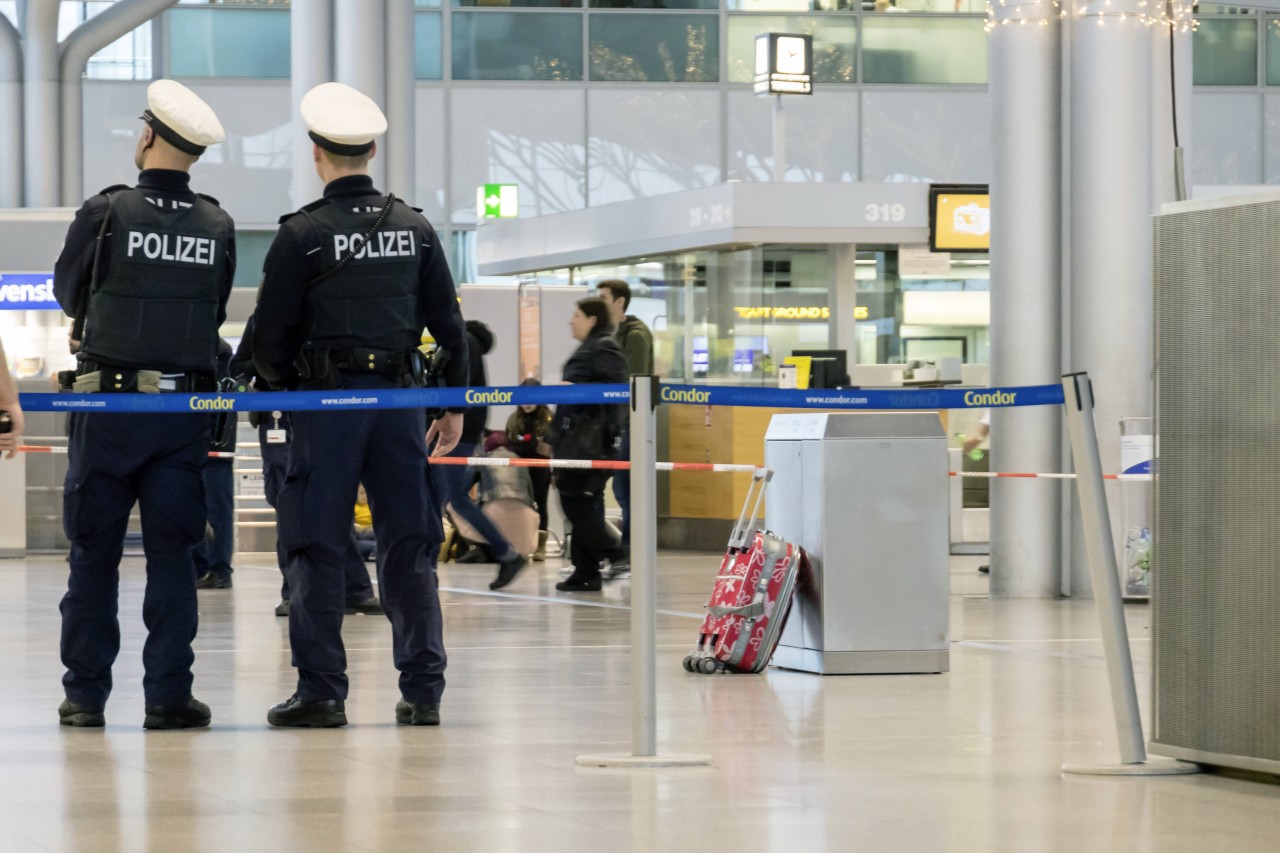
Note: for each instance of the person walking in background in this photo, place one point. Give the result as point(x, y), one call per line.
point(454, 481)
point(11, 438)
point(526, 436)
point(588, 431)
point(636, 341)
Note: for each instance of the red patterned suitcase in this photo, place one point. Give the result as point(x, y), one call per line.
point(752, 595)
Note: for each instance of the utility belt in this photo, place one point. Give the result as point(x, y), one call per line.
point(322, 368)
point(92, 377)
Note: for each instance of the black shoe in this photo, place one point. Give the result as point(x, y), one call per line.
point(282, 609)
point(80, 716)
point(193, 715)
point(579, 583)
point(213, 580)
point(297, 713)
point(417, 713)
point(370, 606)
point(507, 571)
point(986, 570)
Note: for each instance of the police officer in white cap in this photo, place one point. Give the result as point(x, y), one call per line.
point(349, 284)
point(146, 272)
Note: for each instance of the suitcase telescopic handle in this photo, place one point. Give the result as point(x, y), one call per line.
point(755, 495)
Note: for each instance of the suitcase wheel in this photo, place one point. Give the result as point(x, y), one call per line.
point(709, 665)
point(688, 663)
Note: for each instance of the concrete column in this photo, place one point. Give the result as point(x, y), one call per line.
point(311, 63)
point(1026, 339)
point(401, 116)
point(842, 296)
point(359, 58)
point(40, 104)
point(87, 39)
point(10, 115)
point(1111, 197)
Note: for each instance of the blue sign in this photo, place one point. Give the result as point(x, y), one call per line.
point(26, 292)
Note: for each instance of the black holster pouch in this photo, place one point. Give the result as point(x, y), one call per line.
point(433, 377)
point(66, 380)
point(317, 370)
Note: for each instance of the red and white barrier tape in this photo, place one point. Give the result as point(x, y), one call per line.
point(614, 465)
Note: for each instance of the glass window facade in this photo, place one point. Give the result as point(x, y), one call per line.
point(835, 44)
point(490, 45)
point(228, 42)
point(1272, 28)
point(924, 50)
point(428, 40)
point(655, 48)
point(1225, 52)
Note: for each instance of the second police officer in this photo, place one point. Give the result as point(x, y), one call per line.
point(146, 272)
point(349, 283)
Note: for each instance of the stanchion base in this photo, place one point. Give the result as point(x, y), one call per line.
point(618, 760)
point(1146, 768)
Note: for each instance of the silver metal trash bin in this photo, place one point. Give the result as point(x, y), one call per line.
point(865, 494)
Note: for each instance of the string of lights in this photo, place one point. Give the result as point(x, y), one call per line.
point(1041, 13)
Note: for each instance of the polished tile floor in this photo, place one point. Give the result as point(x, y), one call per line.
point(967, 761)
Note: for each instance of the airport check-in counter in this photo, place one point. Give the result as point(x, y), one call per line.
point(866, 495)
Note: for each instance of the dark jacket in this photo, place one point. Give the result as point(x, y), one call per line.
point(589, 431)
point(479, 342)
point(636, 341)
point(525, 430)
point(294, 261)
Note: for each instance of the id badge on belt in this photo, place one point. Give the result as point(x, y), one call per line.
point(276, 435)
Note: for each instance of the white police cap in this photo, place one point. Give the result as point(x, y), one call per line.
point(341, 119)
point(179, 117)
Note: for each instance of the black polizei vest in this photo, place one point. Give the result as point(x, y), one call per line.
point(155, 306)
point(372, 301)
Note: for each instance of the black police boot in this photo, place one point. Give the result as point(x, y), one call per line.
point(298, 713)
point(369, 606)
point(417, 713)
point(507, 571)
point(282, 609)
point(213, 580)
point(80, 716)
point(193, 715)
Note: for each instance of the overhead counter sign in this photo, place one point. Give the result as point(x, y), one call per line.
point(959, 218)
point(27, 292)
point(784, 64)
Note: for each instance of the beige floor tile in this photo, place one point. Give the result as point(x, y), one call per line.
point(966, 761)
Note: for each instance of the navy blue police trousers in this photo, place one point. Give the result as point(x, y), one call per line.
point(331, 453)
point(116, 460)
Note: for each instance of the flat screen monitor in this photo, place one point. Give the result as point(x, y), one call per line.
point(828, 368)
point(959, 218)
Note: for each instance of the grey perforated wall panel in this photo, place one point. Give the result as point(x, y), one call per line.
point(1216, 592)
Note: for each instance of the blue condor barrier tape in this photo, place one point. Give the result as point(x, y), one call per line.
point(416, 398)
point(328, 401)
point(918, 398)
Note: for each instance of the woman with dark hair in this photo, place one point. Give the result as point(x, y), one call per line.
point(588, 432)
point(529, 427)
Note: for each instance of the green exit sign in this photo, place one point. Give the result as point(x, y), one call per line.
point(497, 201)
